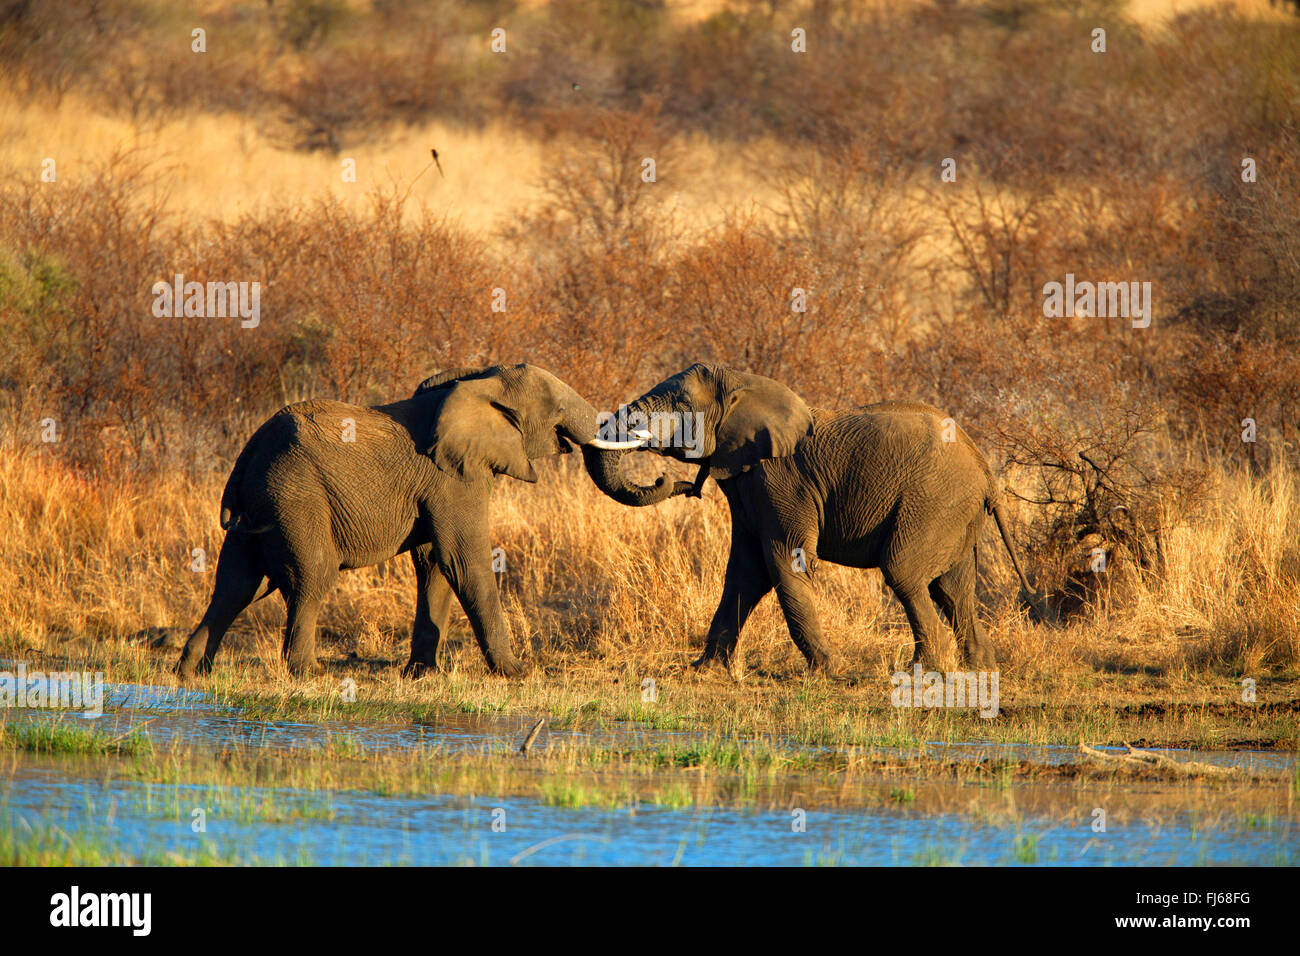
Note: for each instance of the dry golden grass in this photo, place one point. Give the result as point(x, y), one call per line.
point(591, 585)
point(220, 166)
point(1140, 11)
point(1161, 11)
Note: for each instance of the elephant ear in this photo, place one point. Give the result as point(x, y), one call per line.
point(477, 431)
point(761, 419)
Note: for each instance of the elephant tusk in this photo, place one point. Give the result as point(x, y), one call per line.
point(604, 445)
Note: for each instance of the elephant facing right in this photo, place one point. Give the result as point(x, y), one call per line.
point(895, 486)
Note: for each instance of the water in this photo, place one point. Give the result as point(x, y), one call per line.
point(181, 716)
point(1261, 761)
point(69, 801)
point(153, 821)
point(188, 717)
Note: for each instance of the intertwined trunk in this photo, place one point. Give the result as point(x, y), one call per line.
point(606, 470)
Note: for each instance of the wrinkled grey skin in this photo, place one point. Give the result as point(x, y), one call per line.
point(869, 487)
point(303, 504)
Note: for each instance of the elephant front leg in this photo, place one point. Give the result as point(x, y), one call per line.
point(465, 560)
point(477, 591)
point(747, 581)
point(432, 607)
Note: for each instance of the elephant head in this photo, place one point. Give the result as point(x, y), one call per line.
point(722, 419)
point(497, 419)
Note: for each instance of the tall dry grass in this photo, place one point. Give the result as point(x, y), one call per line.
point(591, 583)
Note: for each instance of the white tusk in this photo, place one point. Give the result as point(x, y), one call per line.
point(604, 445)
point(640, 433)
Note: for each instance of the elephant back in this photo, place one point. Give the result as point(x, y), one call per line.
point(447, 377)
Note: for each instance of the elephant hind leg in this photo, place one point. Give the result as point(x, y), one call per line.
point(239, 583)
point(304, 591)
point(299, 650)
point(794, 590)
point(930, 648)
point(432, 608)
point(954, 592)
point(305, 566)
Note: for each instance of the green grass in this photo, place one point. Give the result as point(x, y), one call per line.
point(239, 804)
point(48, 844)
point(1026, 849)
point(60, 738)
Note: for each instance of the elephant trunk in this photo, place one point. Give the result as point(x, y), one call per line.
point(580, 424)
point(605, 466)
point(605, 470)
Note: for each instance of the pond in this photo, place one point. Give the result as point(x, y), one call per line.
point(49, 799)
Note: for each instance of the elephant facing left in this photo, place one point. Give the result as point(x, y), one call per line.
point(324, 486)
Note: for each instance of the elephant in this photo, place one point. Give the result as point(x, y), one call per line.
point(324, 486)
point(894, 485)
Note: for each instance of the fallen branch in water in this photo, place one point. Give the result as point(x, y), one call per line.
point(532, 735)
point(1149, 759)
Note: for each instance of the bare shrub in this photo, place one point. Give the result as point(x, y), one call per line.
point(847, 206)
point(598, 279)
point(998, 236)
point(1106, 500)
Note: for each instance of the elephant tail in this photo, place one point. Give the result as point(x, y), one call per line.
point(232, 518)
point(995, 509)
point(239, 523)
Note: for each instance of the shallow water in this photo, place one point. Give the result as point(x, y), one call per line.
point(150, 821)
point(190, 717)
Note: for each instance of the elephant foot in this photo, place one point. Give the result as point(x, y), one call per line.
point(928, 662)
point(821, 664)
point(709, 660)
point(982, 659)
point(731, 665)
point(424, 654)
point(187, 668)
point(414, 669)
point(304, 668)
point(508, 667)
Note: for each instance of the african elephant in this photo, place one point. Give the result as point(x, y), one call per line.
point(894, 486)
point(323, 486)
